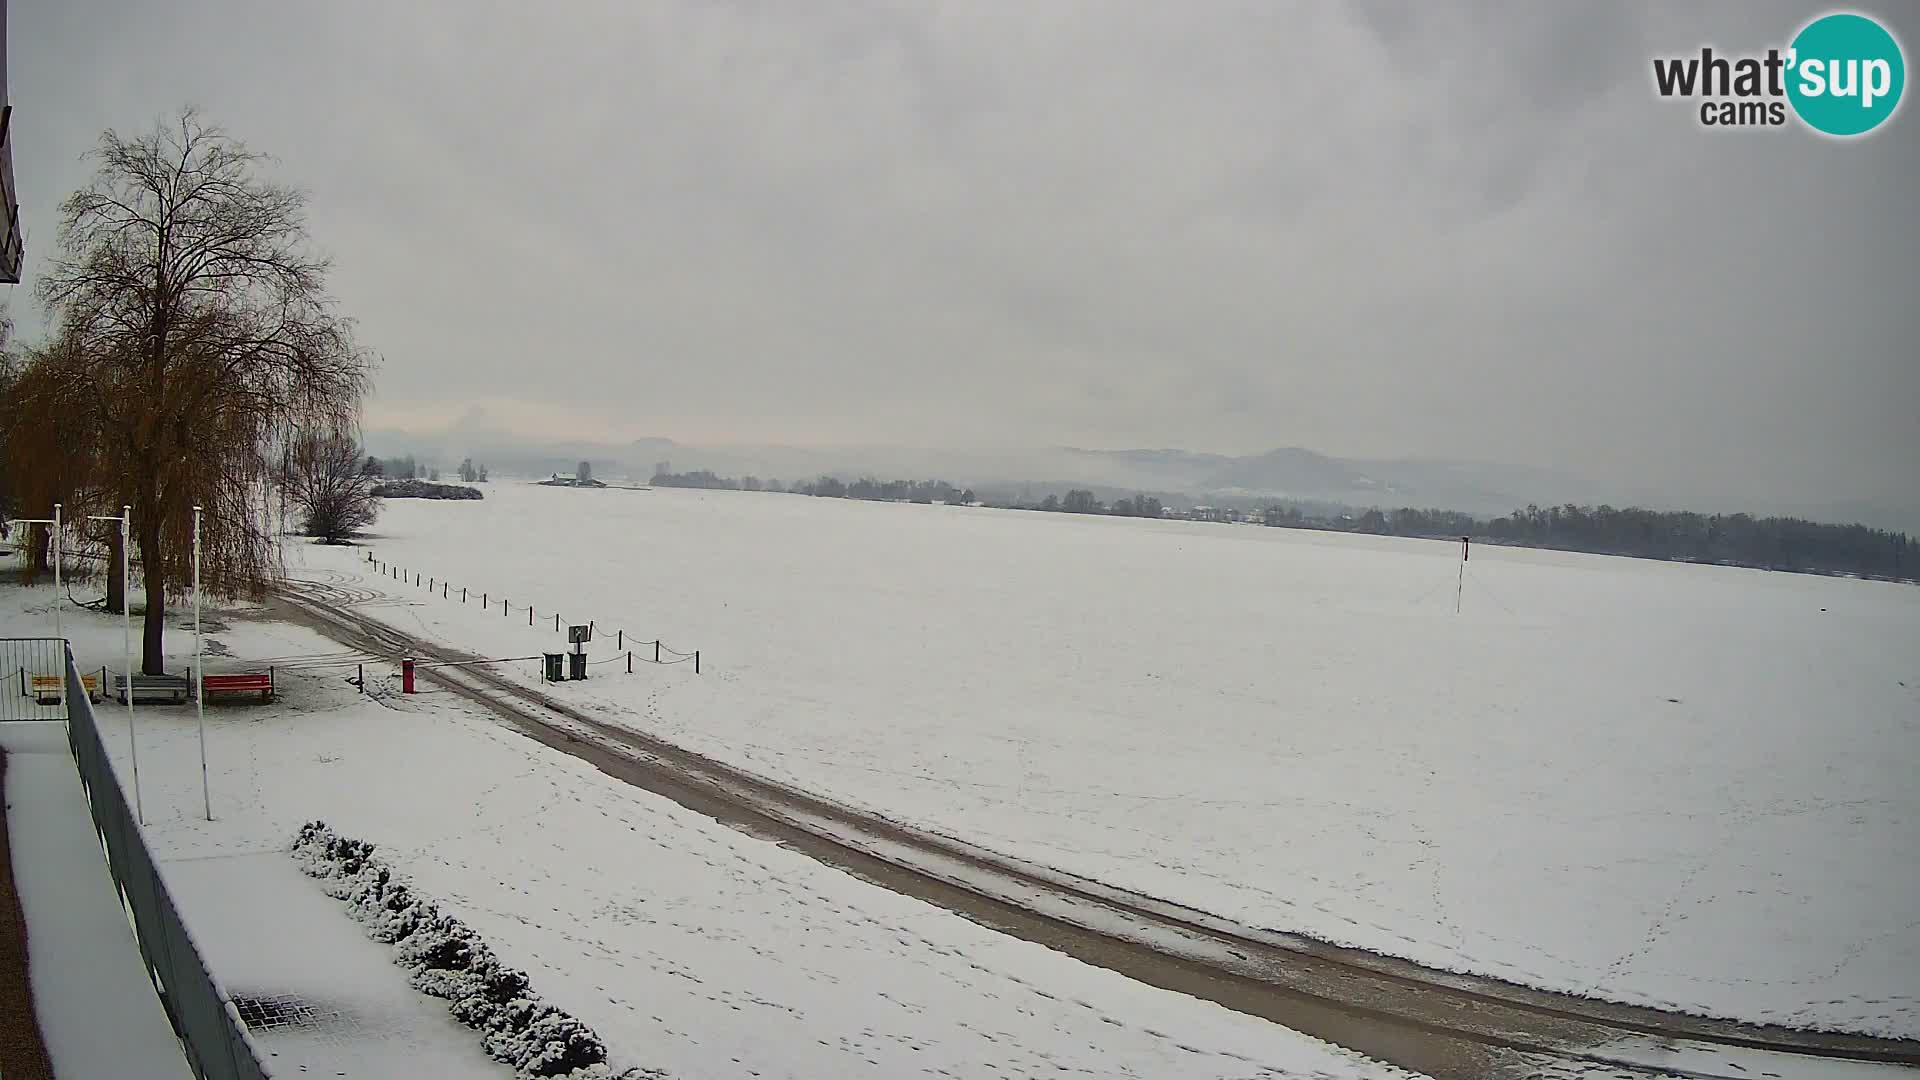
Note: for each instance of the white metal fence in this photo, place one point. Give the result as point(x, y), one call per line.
point(33, 679)
point(203, 1014)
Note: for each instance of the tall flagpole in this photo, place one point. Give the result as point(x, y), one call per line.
point(199, 676)
point(56, 579)
point(126, 635)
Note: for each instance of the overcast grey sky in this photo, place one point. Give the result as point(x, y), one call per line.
point(1380, 230)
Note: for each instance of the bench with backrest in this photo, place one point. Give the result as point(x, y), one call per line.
point(171, 689)
point(50, 689)
point(248, 682)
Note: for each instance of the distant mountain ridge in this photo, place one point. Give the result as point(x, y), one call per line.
point(1285, 473)
point(1307, 475)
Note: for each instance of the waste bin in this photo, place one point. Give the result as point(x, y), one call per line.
point(576, 665)
point(553, 668)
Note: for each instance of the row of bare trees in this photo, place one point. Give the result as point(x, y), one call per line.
point(194, 358)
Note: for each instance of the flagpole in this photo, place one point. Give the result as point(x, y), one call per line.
point(199, 675)
point(56, 581)
point(126, 638)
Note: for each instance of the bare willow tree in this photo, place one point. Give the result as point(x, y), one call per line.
point(324, 476)
point(204, 335)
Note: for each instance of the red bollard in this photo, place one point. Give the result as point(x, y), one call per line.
point(406, 675)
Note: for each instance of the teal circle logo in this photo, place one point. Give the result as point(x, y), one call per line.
point(1845, 74)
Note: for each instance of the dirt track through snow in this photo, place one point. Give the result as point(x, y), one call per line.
point(1440, 1023)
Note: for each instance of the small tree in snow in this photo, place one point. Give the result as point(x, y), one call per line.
point(324, 477)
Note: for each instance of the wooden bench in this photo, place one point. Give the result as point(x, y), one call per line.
point(51, 689)
point(171, 689)
point(252, 682)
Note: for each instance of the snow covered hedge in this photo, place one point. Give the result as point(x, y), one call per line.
point(445, 958)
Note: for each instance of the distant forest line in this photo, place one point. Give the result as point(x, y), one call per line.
point(1768, 543)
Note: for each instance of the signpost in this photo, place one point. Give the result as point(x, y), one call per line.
point(578, 636)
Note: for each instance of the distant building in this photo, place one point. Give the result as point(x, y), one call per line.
point(571, 480)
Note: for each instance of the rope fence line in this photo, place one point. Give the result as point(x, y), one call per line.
point(445, 588)
point(112, 677)
point(474, 663)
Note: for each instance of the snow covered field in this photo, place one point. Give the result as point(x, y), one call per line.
point(688, 946)
point(1674, 785)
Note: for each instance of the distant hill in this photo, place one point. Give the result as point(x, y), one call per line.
point(1288, 473)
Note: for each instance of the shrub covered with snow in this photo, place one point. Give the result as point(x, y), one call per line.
point(445, 958)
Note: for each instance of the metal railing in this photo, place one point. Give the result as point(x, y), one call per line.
point(33, 682)
point(203, 1014)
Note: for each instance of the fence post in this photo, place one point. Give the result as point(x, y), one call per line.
point(656, 650)
point(619, 639)
point(696, 661)
point(529, 614)
point(463, 594)
point(629, 661)
point(360, 676)
point(443, 590)
point(429, 582)
point(556, 621)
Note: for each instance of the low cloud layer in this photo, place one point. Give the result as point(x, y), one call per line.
point(1379, 231)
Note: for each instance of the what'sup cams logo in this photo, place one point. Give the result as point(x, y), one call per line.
point(1842, 75)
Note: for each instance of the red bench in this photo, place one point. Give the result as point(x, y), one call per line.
point(260, 682)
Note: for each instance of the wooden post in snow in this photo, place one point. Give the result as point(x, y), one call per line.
point(1461, 581)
